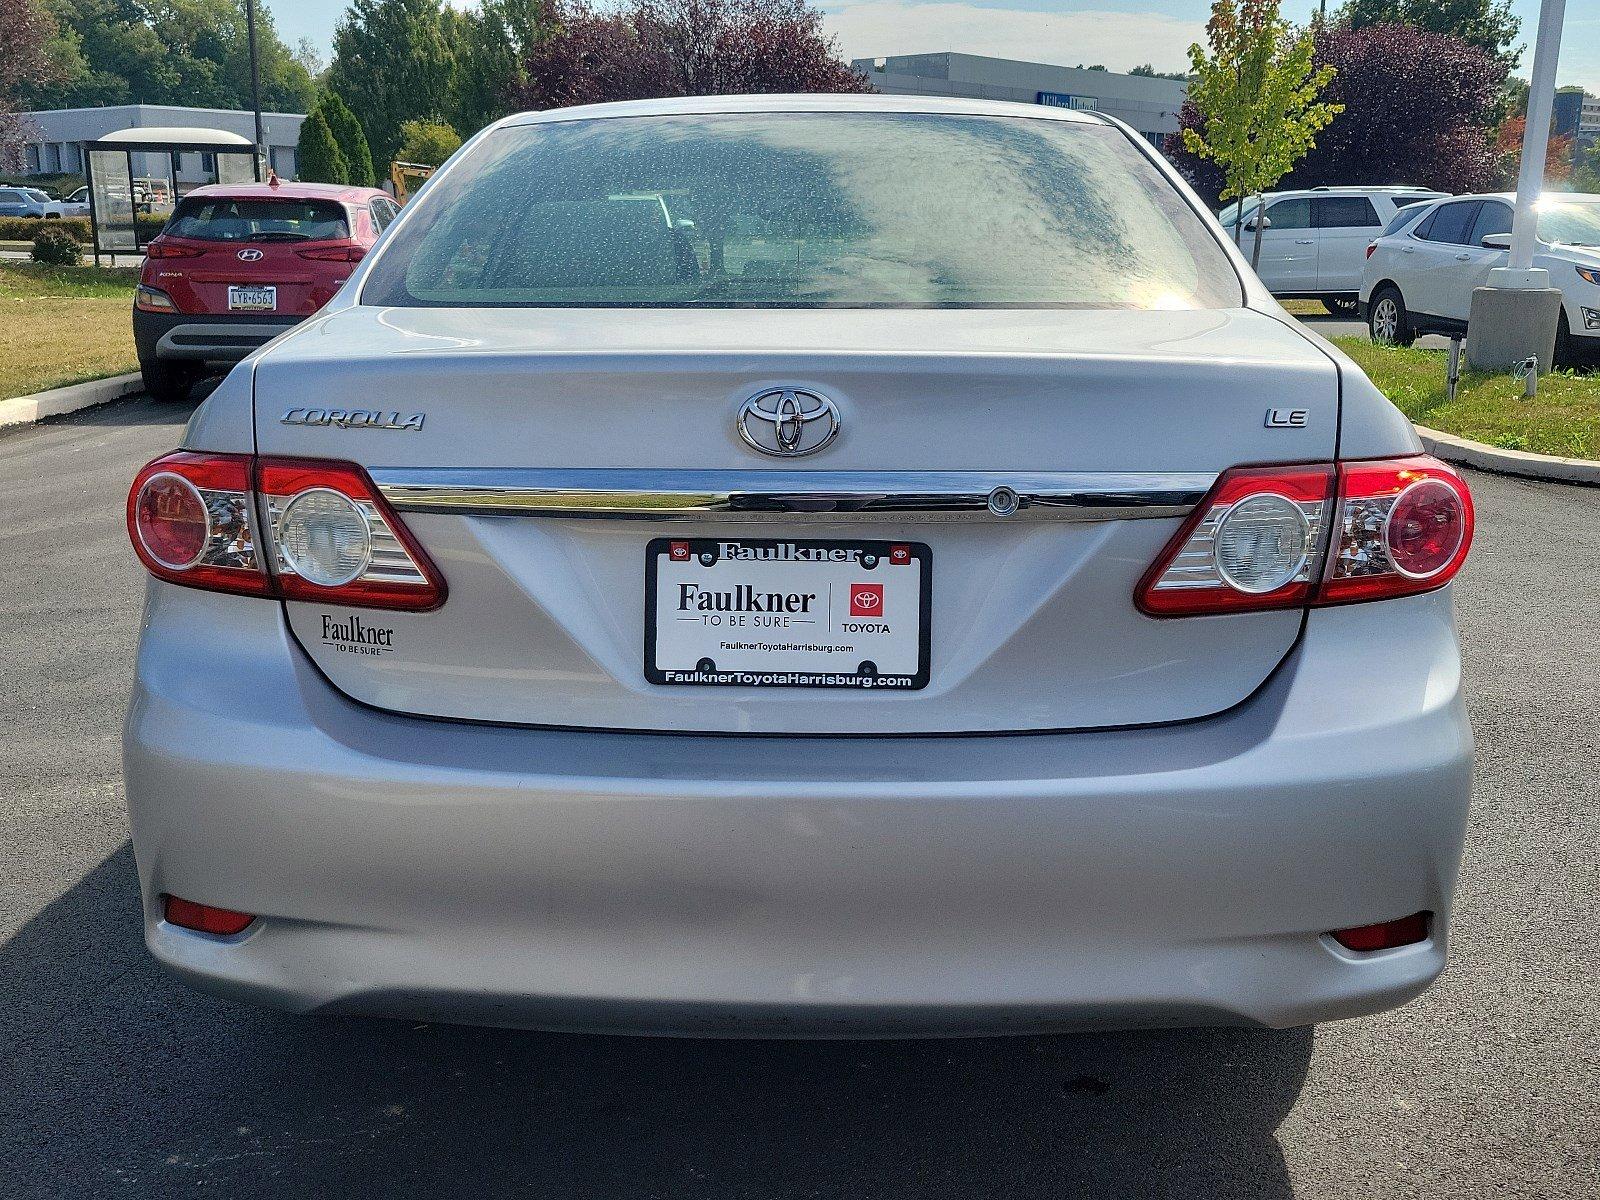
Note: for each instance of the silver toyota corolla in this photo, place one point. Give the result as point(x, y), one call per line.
point(801, 565)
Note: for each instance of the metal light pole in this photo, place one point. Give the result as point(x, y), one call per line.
point(1514, 318)
point(255, 82)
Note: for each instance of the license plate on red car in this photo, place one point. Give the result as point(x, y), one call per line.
point(253, 299)
point(773, 613)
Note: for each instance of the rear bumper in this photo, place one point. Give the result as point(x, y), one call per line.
point(1174, 875)
point(207, 337)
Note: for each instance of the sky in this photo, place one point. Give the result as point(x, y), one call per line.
point(1119, 33)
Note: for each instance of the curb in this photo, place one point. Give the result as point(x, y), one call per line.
point(25, 410)
point(1509, 462)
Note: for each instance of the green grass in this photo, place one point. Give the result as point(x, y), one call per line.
point(61, 325)
point(1563, 419)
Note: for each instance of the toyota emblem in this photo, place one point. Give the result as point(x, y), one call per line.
point(788, 422)
point(248, 255)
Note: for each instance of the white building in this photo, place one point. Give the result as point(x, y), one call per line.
point(56, 144)
point(1150, 105)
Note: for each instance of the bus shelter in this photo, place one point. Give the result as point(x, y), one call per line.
point(136, 176)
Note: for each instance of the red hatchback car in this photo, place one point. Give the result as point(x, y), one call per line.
point(238, 264)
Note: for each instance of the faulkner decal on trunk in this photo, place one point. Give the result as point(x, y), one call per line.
point(352, 418)
point(353, 636)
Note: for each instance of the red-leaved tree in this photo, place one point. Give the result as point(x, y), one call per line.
point(1418, 109)
point(25, 28)
point(651, 48)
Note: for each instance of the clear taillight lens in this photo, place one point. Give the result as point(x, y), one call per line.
point(290, 528)
point(1285, 537)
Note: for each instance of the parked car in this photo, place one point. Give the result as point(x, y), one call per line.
point(237, 264)
point(28, 202)
point(76, 204)
point(1420, 279)
point(1313, 241)
point(916, 581)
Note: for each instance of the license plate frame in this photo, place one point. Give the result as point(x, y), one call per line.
point(797, 667)
point(235, 291)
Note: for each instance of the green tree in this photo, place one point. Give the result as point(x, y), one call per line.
point(352, 139)
point(317, 155)
point(192, 52)
point(427, 142)
point(1487, 24)
point(393, 63)
point(1256, 95)
point(492, 50)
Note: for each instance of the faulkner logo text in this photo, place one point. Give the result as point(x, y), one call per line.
point(350, 636)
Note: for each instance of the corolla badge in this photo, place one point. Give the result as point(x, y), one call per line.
point(249, 255)
point(353, 418)
point(788, 422)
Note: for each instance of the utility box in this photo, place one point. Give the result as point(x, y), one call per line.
point(1510, 325)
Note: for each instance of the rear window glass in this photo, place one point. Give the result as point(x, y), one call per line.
point(813, 210)
point(221, 220)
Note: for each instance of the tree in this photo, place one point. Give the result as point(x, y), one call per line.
point(1558, 156)
point(1148, 71)
point(492, 49)
point(191, 52)
point(393, 63)
point(1255, 95)
point(26, 32)
point(350, 137)
point(427, 142)
point(683, 48)
point(1487, 24)
point(1419, 108)
point(317, 155)
point(309, 56)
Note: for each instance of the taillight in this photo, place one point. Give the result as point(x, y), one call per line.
point(149, 299)
point(1286, 537)
point(1404, 526)
point(1252, 544)
point(164, 249)
point(206, 918)
point(1371, 246)
point(294, 529)
point(334, 253)
point(190, 520)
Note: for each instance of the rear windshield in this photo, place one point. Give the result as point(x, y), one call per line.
point(217, 219)
point(813, 210)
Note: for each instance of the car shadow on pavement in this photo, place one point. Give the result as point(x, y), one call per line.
point(121, 1081)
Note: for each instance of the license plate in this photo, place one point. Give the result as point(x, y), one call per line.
point(775, 613)
point(253, 299)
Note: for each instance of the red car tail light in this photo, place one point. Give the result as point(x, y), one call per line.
point(1259, 540)
point(1404, 526)
point(164, 249)
point(1253, 543)
point(190, 520)
point(1385, 935)
point(336, 539)
point(204, 917)
point(334, 253)
point(294, 529)
point(1371, 246)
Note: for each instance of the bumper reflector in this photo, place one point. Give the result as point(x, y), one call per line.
point(1385, 935)
point(204, 918)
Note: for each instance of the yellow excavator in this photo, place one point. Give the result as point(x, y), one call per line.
point(402, 172)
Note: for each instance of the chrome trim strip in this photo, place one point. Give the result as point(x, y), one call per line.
point(629, 494)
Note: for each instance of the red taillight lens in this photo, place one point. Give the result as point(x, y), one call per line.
point(1404, 526)
point(1385, 935)
point(165, 249)
point(190, 521)
point(204, 917)
point(334, 253)
point(1260, 538)
point(296, 529)
point(1371, 246)
point(1253, 543)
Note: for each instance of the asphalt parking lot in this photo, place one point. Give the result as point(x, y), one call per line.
point(117, 1081)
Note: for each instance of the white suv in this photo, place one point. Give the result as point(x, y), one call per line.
point(1419, 278)
point(1314, 240)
